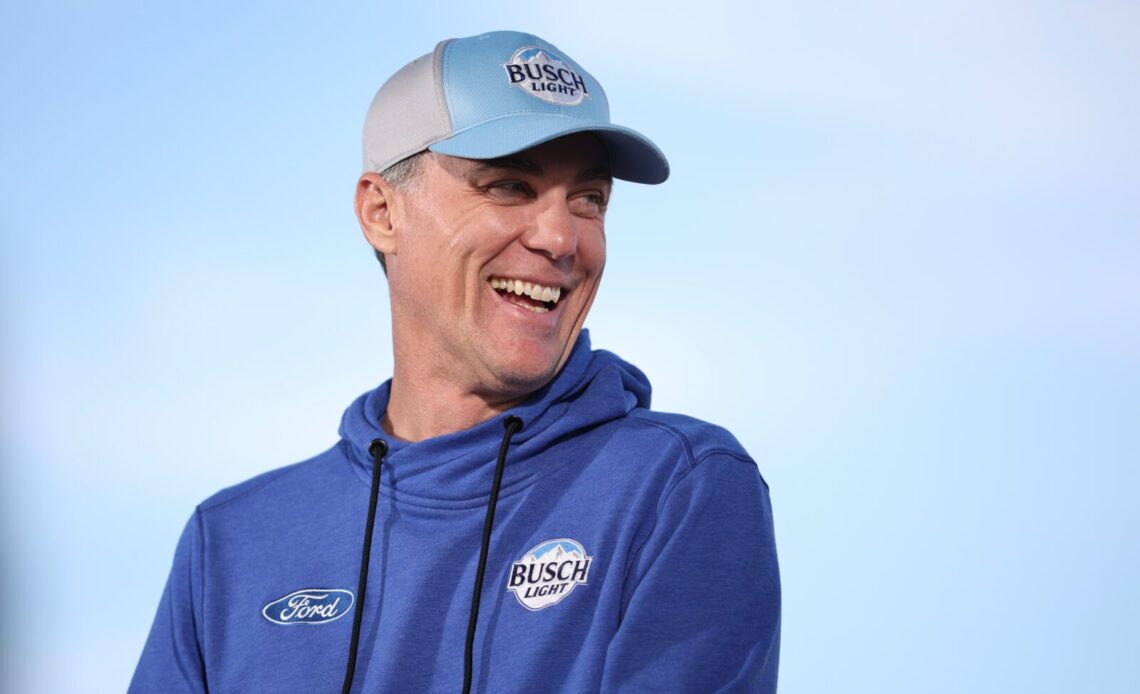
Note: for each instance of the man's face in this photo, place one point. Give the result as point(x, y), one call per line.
point(496, 265)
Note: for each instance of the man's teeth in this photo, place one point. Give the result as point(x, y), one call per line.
point(533, 290)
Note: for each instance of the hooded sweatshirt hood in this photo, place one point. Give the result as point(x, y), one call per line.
point(452, 470)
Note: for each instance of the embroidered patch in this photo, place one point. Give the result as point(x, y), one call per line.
point(548, 572)
point(310, 606)
point(545, 76)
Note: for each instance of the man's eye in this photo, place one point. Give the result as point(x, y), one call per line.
point(509, 189)
point(588, 204)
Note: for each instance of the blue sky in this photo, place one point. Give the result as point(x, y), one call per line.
point(899, 257)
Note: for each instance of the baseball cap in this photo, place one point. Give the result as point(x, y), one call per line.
point(495, 94)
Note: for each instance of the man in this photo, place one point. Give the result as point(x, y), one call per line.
point(505, 514)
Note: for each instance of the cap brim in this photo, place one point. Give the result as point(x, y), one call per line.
point(633, 157)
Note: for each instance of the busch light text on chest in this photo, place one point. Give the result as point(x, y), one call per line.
point(548, 578)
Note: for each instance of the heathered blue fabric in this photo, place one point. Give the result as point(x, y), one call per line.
point(683, 591)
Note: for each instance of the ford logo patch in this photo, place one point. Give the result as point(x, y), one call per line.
point(309, 606)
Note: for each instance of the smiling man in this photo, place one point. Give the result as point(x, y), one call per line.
point(505, 514)
point(492, 266)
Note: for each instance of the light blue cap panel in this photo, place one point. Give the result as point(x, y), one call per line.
point(477, 75)
point(507, 91)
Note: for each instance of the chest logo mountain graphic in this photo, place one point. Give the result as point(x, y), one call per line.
point(545, 76)
point(309, 606)
point(548, 572)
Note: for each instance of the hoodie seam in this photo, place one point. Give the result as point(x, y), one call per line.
point(681, 438)
point(200, 598)
point(206, 506)
point(694, 460)
point(667, 493)
point(636, 553)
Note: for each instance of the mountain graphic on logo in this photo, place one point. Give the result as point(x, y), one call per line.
point(541, 58)
point(557, 552)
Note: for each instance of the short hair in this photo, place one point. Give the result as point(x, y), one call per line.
point(401, 176)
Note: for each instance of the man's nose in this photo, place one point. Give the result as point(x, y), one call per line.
point(553, 232)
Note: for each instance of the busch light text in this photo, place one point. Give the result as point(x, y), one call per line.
point(546, 76)
point(548, 573)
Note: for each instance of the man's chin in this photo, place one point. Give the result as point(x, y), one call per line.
point(518, 380)
point(527, 367)
point(522, 382)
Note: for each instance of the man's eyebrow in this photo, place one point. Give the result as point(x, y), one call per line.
point(523, 165)
point(511, 164)
point(596, 173)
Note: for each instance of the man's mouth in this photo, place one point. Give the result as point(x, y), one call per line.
point(529, 295)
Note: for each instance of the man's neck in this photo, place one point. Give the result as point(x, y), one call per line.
point(419, 410)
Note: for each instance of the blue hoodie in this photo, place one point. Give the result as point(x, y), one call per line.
point(632, 551)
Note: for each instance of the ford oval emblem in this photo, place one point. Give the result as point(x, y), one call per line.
point(310, 606)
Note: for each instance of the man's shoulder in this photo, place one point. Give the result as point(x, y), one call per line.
point(689, 458)
point(272, 487)
point(697, 439)
point(699, 436)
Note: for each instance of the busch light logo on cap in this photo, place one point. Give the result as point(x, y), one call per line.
point(546, 76)
point(309, 606)
point(548, 572)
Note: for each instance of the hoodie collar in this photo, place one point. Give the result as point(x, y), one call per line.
point(593, 387)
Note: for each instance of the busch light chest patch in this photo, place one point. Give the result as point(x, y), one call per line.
point(545, 76)
point(309, 606)
point(548, 572)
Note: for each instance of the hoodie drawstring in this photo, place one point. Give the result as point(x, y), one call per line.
point(512, 424)
point(377, 448)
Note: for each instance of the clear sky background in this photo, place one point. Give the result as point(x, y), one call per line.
point(899, 257)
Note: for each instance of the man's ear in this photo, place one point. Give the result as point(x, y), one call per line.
point(375, 203)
